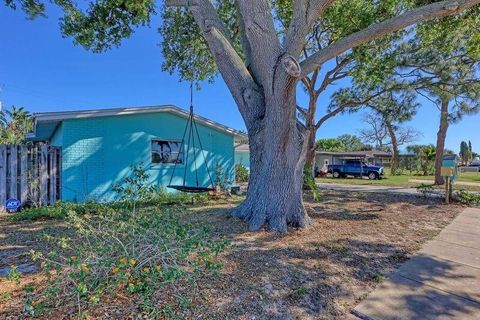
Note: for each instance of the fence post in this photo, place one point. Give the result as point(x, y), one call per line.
point(34, 185)
point(3, 177)
point(23, 174)
point(13, 172)
point(52, 174)
point(43, 174)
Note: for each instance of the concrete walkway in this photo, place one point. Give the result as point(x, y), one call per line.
point(441, 282)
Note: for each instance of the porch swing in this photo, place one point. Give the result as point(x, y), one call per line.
point(191, 130)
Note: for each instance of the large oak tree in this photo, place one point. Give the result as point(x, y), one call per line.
point(261, 71)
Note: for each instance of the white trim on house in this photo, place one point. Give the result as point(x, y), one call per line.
point(57, 117)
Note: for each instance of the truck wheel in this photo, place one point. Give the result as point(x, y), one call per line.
point(336, 174)
point(373, 176)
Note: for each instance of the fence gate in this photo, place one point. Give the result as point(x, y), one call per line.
point(30, 174)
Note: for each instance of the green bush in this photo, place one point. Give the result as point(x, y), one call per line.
point(468, 198)
point(241, 173)
point(150, 257)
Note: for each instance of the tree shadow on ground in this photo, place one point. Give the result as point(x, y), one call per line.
point(17, 239)
point(323, 271)
point(321, 279)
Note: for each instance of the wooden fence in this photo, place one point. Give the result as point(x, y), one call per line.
point(30, 174)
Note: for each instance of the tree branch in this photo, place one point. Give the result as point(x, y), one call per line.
point(233, 70)
point(262, 37)
point(305, 12)
point(427, 12)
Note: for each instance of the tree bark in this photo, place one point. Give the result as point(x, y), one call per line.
point(311, 133)
point(441, 136)
point(277, 159)
point(395, 152)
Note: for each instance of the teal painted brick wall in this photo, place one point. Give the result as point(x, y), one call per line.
point(98, 152)
point(57, 138)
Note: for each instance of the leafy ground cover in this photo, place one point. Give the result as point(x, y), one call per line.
point(320, 272)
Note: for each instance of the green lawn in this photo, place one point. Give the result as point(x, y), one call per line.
point(403, 180)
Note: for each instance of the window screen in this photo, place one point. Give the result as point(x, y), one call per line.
point(166, 151)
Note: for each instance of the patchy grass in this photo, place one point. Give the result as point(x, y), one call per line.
point(319, 272)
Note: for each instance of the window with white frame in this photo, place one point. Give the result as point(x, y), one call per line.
point(166, 151)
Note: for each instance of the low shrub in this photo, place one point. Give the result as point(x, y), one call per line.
point(58, 210)
point(150, 257)
point(241, 173)
point(468, 198)
point(310, 184)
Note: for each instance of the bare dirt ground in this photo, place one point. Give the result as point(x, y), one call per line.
point(319, 273)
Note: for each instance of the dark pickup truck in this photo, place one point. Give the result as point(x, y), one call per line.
point(355, 168)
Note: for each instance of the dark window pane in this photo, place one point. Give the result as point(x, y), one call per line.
point(164, 151)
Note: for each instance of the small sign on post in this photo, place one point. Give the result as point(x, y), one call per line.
point(449, 172)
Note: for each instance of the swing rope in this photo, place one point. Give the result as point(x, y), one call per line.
point(191, 123)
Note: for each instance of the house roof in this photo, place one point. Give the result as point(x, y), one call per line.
point(366, 153)
point(47, 122)
point(242, 147)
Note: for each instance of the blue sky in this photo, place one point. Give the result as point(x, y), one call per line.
point(42, 71)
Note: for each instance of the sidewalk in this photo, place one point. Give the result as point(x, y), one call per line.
point(441, 282)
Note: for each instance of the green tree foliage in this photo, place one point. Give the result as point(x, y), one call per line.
point(352, 142)
point(14, 125)
point(330, 144)
point(465, 153)
point(183, 46)
point(424, 158)
point(241, 173)
point(343, 143)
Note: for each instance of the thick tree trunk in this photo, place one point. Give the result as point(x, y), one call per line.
point(277, 159)
point(395, 152)
point(441, 136)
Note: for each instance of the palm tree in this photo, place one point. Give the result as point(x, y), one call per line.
point(14, 125)
point(425, 157)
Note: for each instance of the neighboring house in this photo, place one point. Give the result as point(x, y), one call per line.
point(377, 157)
point(242, 155)
point(100, 146)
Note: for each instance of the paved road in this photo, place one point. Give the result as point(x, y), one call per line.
point(460, 183)
point(370, 188)
point(441, 282)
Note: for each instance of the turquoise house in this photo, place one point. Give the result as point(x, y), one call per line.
point(100, 146)
point(242, 155)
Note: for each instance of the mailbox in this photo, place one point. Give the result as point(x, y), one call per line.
point(449, 166)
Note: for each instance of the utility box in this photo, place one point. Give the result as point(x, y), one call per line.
point(449, 166)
